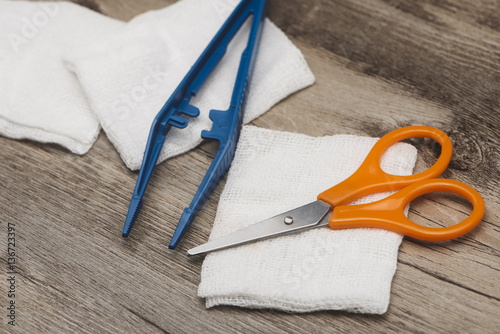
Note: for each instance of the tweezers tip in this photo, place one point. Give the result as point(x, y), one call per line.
point(133, 212)
point(184, 223)
point(126, 230)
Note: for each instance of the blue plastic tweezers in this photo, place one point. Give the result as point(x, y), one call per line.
point(226, 123)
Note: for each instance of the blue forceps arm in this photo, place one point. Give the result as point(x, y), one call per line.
point(226, 124)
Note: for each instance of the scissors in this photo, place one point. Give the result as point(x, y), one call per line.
point(388, 213)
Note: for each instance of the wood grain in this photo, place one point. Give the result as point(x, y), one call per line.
point(379, 64)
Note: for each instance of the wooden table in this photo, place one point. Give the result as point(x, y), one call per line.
point(379, 65)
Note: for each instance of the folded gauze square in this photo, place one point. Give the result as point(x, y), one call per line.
point(319, 269)
point(129, 75)
point(40, 99)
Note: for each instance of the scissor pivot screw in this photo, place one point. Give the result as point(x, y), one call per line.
point(288, 220)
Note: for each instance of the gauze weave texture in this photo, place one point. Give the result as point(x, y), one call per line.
point(129, 75)
point(40, 99)
point(319, 269)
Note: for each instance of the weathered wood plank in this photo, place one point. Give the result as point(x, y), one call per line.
point(379, 65)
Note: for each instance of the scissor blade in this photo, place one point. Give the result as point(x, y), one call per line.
point(307, 216)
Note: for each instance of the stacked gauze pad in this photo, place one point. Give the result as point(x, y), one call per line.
point(126, 72)
point(40, 99)
point(129, 75)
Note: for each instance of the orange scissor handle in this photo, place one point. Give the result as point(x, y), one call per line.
point(388, 213)
point(370, 178)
